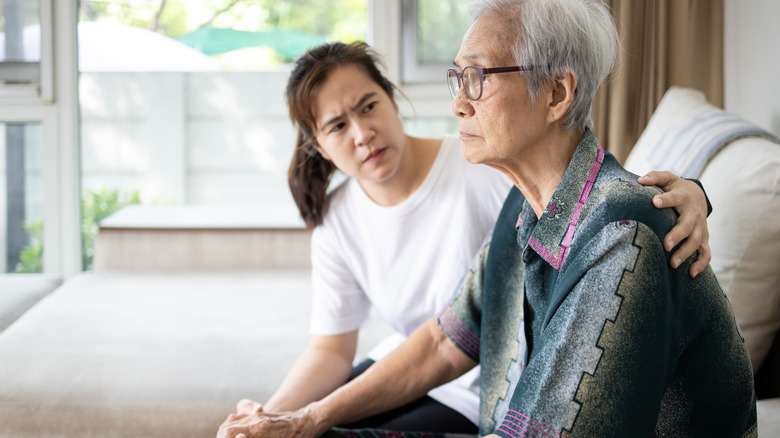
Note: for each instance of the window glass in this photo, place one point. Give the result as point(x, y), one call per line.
point(431, 33)
point(182, 102)
point(20, 42)
point(21, 197)
point(433, 127)
point(441, 25)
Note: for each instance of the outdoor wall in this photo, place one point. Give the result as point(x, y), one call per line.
point(196, 138)
point(752, 61)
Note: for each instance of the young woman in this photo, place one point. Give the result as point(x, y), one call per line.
point(398, 233)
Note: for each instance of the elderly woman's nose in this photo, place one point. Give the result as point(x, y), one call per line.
point(461, 105)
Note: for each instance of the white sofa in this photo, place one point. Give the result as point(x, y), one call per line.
point(188, 311)
point(141, 353)
point(742, 179)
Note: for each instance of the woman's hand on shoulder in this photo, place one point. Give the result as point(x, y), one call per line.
point(690, 202)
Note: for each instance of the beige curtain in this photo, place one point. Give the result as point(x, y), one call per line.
point(664, 43)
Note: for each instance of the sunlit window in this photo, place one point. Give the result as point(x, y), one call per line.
point(431, 33)
point(182, 101)
point(20, 45)
point(21, 197)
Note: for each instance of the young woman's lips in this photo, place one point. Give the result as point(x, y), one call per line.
point(376, 155)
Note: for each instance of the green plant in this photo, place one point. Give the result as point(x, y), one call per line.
point(31, 257)
point(96, 205)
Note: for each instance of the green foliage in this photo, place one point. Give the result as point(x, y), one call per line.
point(31, 257)
point(441, 24)
point(97, 205)
point(344, 20)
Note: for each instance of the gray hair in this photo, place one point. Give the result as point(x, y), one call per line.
point(560, 36)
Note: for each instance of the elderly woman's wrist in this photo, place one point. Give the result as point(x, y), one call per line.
point(318, 417)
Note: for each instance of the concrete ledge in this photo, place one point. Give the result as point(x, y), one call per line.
point(203, 217)
point(196, 249)
point(195, 237)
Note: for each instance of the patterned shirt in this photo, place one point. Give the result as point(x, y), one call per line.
point(582, 328)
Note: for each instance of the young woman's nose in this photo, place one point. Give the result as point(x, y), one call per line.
point(364, 133)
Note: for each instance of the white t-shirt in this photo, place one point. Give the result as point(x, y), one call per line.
point(406, 259)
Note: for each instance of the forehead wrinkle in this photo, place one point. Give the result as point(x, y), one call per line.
point(489, 47)
point(493, 43)
point(353, 108)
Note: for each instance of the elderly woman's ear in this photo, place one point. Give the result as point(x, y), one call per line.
point(561, 96)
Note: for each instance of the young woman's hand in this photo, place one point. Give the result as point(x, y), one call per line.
point(690, 202)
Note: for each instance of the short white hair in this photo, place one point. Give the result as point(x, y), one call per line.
point(560, 36)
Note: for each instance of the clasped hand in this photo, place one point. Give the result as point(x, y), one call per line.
point(250, 421)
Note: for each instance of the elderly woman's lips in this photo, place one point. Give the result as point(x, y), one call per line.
point(376, 155)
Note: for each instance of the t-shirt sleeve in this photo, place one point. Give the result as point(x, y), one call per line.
point(602, 355)
point(460, 319)
point(339, 305)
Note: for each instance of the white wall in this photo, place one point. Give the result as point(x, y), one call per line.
point(187, 138)
point(752, 61)
point(195, 138)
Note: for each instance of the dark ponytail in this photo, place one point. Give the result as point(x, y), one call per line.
point(309, 174)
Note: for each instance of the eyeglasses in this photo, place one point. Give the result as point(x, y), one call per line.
point(472, 78)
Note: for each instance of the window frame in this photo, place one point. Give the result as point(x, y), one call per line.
point(431, 97)
point(41, 91)
point(55, 107)
point(412, 71)
point(57, 113)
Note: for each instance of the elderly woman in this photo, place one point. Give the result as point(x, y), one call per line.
point(579, 324)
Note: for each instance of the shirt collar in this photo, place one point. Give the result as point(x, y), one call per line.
point(554, 231)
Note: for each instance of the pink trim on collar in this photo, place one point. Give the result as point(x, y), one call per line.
point(557, 261)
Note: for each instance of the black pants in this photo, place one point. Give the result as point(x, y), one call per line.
point(424, 414)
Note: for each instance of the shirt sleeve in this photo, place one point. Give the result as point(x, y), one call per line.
point(600, 361)
point(460, 319)
point(706, 198)
point(339, 305)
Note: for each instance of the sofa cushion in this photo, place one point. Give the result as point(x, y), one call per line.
point(19, 292)
point(768, 417)
point(152, 354)
point(742, 181)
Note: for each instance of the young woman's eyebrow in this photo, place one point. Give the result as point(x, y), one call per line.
point(355, 107)
point(363, 100)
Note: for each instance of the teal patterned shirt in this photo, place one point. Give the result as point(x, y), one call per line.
point(582, 328)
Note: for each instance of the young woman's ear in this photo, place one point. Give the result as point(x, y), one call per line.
point(320, 150)
point(313, 146)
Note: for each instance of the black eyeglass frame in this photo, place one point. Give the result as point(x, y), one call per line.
point(482, 72)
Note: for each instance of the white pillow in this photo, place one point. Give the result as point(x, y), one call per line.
point(677, 106)
point(743, 183)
